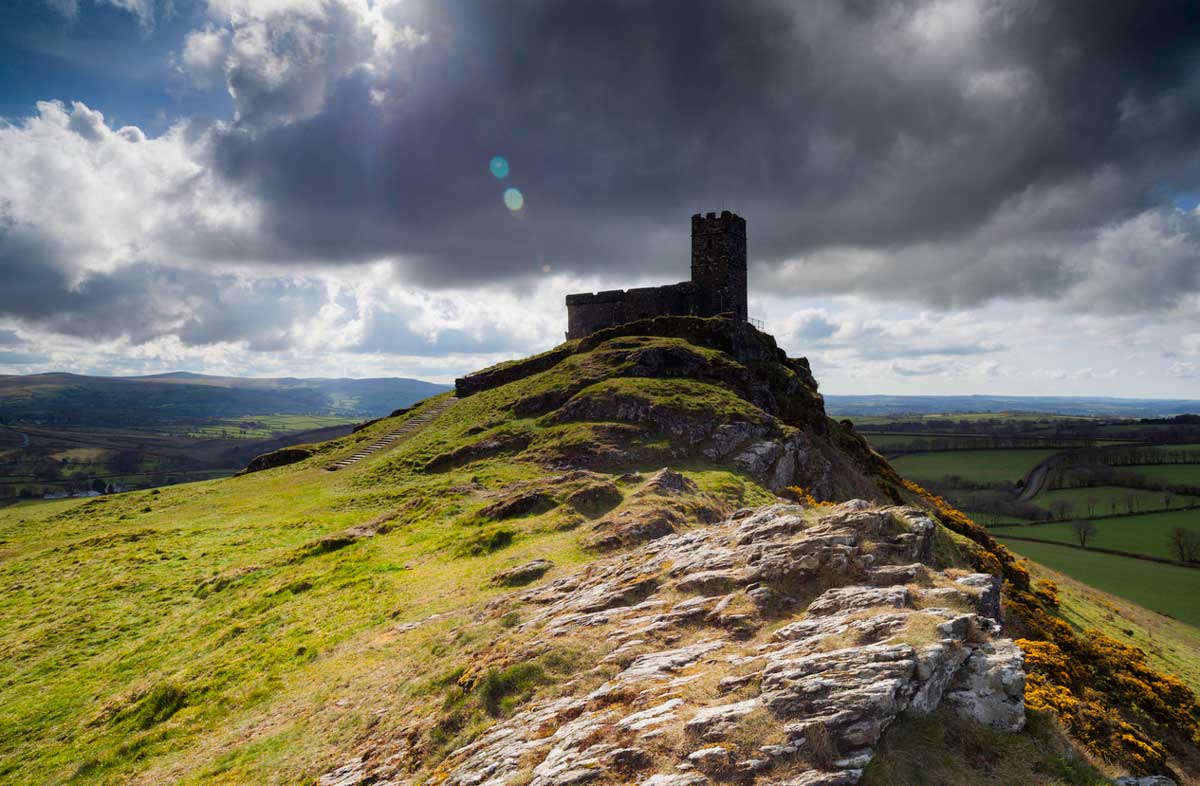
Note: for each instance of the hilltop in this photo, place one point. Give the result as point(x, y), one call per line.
point(646, 556)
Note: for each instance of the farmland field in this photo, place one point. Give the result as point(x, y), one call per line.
point(1167, 589)
point(994, 519)
point(1139, 534)
point(1106, 497)
point(980, 466)
point(266, 426)
point(1182, 474)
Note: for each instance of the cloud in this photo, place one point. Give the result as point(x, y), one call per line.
point(144, 10)
point(992, 129)
point(1183, 369)
point(8, 358)
point(203, 56)
point(942, 158)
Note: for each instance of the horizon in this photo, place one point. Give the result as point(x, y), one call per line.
point(826, 393)
point(968, 196)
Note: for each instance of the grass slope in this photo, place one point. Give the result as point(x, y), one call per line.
point(230, 631)
point(1171, 645)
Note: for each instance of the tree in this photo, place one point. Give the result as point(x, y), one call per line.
point(1061, 509)
point(1184, 544)
point(1091, 503)
point(126, 462)
point(47, 471)
point(1084, 531)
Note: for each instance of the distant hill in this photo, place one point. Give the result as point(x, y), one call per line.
point(864, 406)
point(182, 397)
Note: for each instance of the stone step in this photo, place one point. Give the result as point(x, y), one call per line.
point(388, 439)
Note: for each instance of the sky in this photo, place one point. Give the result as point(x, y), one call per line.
point(942, 196)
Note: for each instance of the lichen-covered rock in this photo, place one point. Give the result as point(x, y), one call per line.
point(990, 689)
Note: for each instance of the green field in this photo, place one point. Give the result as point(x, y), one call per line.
point(1105, 497)
point(887, 440)
point(1167, 589)
point(993, 519)
point(980, 466)
point(1181, 474)
point(1145, 534)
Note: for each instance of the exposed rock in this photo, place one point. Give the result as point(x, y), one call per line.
point(991, 687)
point(1153, 780)
point(841, 600)
point(668, 481)
point(523, 574)
point(595, 499)
point(277, 458)
point(715, 722)
point(518, 505)
point(690, 622)
point(987, 599)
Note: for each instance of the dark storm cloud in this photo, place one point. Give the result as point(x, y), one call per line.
point(945, 154)
point(826, 125)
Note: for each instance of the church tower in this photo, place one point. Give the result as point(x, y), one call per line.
point(719, 264)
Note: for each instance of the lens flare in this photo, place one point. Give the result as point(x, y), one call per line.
point(499, 167)
point(513, 199)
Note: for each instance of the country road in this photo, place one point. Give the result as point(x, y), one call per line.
point(1034, 481)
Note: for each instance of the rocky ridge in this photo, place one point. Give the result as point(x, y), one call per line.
point(773, 647)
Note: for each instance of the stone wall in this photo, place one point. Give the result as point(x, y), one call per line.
point(588, 312)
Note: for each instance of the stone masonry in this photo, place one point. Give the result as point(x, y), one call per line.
point(717, 286)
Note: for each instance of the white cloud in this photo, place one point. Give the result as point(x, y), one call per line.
point(204, 55)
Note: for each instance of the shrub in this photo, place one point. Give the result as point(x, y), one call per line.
point(500, 689)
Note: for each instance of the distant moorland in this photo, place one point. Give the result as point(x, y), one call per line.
point(66, 433)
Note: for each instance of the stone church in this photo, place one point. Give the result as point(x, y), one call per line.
point(717, 287)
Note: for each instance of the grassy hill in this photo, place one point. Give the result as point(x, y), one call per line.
point(267, 628)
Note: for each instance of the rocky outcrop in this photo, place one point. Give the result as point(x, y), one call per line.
point(774, 647)
point(278, 458)
point(523, 574)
